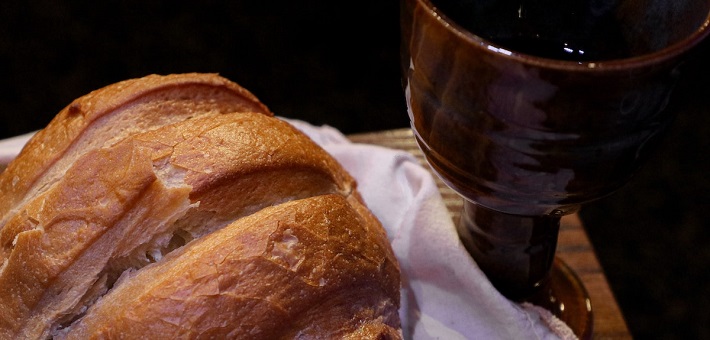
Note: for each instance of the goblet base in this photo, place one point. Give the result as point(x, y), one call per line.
point(564, 296)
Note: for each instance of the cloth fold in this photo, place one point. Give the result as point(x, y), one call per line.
point(444, 294)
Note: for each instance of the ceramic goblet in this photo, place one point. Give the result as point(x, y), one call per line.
point(530, 108)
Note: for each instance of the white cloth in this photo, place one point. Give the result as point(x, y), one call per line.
point(9, 148)
point(444, 294)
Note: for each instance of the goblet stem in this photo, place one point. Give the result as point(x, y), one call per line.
point(515, 252)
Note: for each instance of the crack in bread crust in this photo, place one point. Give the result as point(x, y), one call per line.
point(110, 114)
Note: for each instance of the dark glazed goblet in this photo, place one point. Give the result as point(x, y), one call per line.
point(531, 108)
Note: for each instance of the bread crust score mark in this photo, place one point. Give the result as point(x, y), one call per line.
point(112, 113)
point(207, 225)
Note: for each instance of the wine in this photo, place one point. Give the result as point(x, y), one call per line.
point(563, 30)
point(560, 50)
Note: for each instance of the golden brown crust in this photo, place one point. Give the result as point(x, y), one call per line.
point(108, 115)
point(211, 225)
point(310, 291)
point(67, 236)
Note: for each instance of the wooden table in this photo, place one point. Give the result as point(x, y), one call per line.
point(573, 246)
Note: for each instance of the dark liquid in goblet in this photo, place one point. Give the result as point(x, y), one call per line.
point(563, 30)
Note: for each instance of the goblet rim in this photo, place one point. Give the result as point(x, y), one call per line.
point(667, 53)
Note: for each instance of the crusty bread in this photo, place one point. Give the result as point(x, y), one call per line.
point(218, 221)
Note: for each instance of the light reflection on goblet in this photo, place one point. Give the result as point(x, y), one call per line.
point(529, 110)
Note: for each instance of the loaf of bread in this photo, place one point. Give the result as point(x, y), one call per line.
point(179, 207)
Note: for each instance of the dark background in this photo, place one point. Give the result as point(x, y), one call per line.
point(336, 63)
